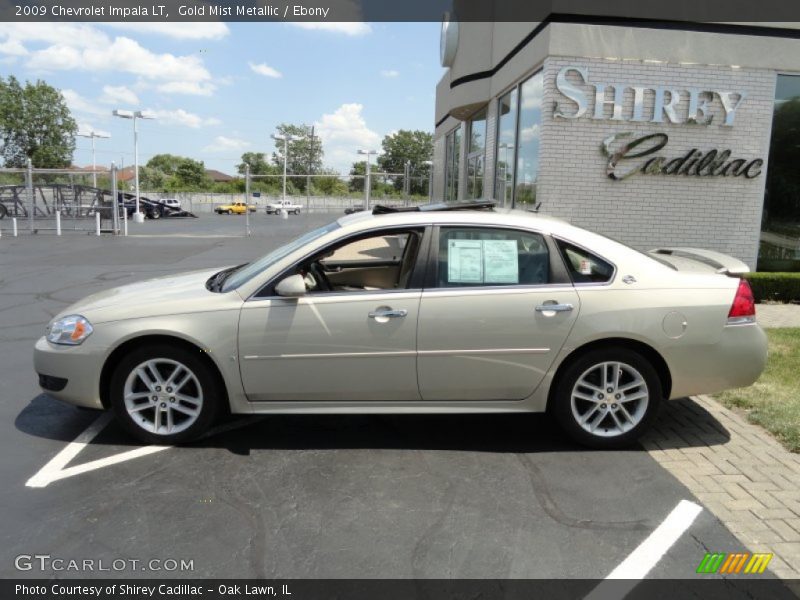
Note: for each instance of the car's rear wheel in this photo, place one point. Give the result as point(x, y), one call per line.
point(164, 394)
point(229, 212)
point(607, 398)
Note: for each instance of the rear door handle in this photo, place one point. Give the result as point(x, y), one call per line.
point(554, 308)
point(388, 314)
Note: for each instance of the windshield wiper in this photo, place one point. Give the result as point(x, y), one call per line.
point(214, 284)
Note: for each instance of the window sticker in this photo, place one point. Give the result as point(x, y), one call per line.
point(585, 268)
point(500, 261)
point(465, 261)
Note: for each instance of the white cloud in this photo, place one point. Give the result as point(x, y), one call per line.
point(80, 47)
point(193, 88)
point(183, 118)
point(118, 94)
point(343, 132)
point(80, 105)
point(224, 143)
point(529, 134)
point(265, 70)
point(347, 28)
point(389, 73)
point(87, 128)
point(179, 31)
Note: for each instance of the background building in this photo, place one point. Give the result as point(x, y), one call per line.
point(684, 135)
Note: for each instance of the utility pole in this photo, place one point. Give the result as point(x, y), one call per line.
point(311, 157)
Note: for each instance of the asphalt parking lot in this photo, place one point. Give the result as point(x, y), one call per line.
point(302, 496)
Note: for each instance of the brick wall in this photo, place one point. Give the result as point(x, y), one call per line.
point(719, 213)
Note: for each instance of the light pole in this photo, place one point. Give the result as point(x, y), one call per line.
point(93, 134)
point(285, 139)
point(367, 180)
point(138, 217)
point(429, 163)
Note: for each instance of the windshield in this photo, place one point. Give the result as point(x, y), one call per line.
point(247, 272)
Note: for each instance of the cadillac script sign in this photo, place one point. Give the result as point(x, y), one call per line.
point(627, 156)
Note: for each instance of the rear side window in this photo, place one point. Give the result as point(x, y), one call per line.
point(477, 256)
point(583, 266)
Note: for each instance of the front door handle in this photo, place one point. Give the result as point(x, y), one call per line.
point(388, 314)
point(554, 308)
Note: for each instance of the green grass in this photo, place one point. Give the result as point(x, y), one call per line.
point(773, 402)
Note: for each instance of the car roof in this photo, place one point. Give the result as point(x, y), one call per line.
point(497, 216)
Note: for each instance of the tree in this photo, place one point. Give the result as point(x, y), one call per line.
point(358, 173)
point(305, 154)
point(166, 163)
point(35, 123)
point(258, 164)
point(152, 179)
point(191, 173)
point(415, 146)
point(329, 185)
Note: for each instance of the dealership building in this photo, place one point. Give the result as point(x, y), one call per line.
point(653, 134)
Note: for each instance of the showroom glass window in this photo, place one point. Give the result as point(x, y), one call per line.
point(452, 152)
point(518, 134)
point(475, 154)
point(780, 224)
point(528, 134)
point(506, 136)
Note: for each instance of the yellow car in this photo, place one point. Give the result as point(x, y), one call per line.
point(238, 208)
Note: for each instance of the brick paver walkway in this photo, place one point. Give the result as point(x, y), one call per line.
point(738, 471)
point(778, 315)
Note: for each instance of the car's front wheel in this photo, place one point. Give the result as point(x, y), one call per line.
point(164, 394)
point(607, 398)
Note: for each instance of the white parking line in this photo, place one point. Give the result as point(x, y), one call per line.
point(641, 561)
point(57, 468)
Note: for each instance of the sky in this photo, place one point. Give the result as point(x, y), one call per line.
point(218, 90)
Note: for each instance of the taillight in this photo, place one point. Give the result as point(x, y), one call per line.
point(743, 309)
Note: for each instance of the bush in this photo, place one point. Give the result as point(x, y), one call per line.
point(780, 287)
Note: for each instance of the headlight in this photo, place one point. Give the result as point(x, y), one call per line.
point(70, 331)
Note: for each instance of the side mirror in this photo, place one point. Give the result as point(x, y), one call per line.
point(293, 286)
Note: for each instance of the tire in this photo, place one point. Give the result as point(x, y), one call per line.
point(135, 401)
point(229, 212)
point(3, 211)
point(614, 420)
point(155, 213)
point(297, 211)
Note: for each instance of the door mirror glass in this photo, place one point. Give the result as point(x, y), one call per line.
point(293, 286)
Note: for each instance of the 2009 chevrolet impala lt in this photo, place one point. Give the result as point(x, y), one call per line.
point(449, 309)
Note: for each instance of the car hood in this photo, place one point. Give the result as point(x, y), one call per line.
point(183, 292)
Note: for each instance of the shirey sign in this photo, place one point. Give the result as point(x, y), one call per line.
point(628, 156)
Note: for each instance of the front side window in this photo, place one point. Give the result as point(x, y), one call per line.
point(583, 266)
point(452, 152)
point(475, 156)
point(477, 256)
point(367, 264)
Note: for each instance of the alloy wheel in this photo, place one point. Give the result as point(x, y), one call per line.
point(609, 399)
point(163, 396)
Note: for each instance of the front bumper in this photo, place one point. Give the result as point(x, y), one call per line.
point(80, 366)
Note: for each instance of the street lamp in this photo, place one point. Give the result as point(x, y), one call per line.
point(285, 139)
point(94, 134)
point(429, 164)
point(367, 182)
point(138, 217)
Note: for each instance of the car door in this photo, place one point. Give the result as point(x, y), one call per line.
point(354, 342)
point(494, 315)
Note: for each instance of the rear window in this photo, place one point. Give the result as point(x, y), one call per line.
point(583, 266)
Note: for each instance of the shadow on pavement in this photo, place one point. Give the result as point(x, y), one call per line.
point(680, 423)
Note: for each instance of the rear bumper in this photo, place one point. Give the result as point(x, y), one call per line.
point(70, 373)
point(736, 360)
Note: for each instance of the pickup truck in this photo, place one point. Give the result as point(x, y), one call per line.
point(238, 208)
point(276, 207)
